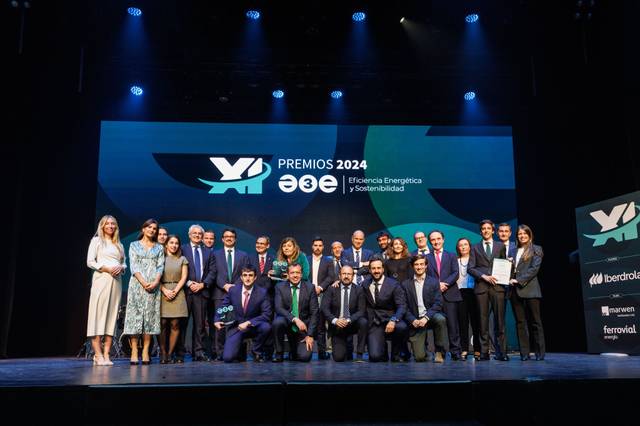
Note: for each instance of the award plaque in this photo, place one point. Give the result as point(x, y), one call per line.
point(227, 315)
point(280, 270)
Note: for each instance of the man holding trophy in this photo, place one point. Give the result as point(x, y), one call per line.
point(246, 313)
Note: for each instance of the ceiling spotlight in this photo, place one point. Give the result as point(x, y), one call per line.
point(278, 93)
point(470, 19)
point(253, 14)
point(469, 96)
point(402, 20)
point(336, 94)
point(137, 90)
point(359, 16)
point(134, 11)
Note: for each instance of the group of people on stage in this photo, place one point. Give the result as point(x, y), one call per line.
point(393, 295)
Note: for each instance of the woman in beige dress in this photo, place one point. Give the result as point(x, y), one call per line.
point(106, 257)
point(173, 306)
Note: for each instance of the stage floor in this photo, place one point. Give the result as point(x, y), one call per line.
point(81, 372)
point(565, 388)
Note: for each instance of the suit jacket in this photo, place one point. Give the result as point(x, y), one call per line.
point(263, 279)
point(449, 271)
point(240, 260)
point(365, 255)
point(325, 268)
point(258, 310)
point(208, 269)
point(333, 299)
point(431, 297)
point(391, 301)
point(307, 304)
point(526, 272)
point(480, 264)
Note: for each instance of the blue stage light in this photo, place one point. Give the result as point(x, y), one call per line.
point(253, 14)
point(278, 94)
point(336, 94)
point(471, 18)
point(134, 11)
point(469, 96)
point(359, 16)
point(137, 90)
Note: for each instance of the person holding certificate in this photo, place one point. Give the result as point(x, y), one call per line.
point(525, 300)
point(489, 290)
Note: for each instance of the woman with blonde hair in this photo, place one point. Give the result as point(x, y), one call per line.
point(106, 258)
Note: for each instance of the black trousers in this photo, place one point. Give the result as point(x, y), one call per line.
point(527, 312)
point(453, 328)
point(468, 314)
point(219, 335)
point(340, 338)
point(197, 307)
point(282, 327)
point(377, 341)
point(493, 300)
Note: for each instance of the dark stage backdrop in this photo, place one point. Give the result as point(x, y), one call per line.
point(306, 179)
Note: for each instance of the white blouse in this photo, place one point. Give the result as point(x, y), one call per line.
point(104, 253)
point(464, 279)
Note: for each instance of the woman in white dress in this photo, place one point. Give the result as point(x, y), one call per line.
point(106, 257)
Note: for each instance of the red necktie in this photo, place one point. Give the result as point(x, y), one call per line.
point(246, 301)
point(261, 264)
point(438, 261)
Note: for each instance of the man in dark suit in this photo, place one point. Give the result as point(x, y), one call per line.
point(252, 317)
point(319, 269)
point(424, 310)
point(296, 315)
point(490, 294)
point(443, 266)
point(229, 264)
point(201, 278)
point(262, 262)
point(421, 244)
point(383, 238)
point(386, 306)
point(357, 256)
point(344, 307)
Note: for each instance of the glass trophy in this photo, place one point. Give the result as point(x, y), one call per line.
point(280, 270)
point(227, 315)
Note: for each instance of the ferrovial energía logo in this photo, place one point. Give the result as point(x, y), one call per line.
point(621, 224)
point(255, 170)
point(613, 333)
point(618, 311)
point(598, 278)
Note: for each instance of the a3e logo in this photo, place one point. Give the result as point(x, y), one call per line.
point(308, 183)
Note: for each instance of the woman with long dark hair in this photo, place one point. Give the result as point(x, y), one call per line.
point(468, 313)
point(398, 263)
point(525, 300)
point(142, 317)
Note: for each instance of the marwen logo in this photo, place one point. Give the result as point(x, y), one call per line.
point(596, 279)
point(255, 170)
point(611, 226)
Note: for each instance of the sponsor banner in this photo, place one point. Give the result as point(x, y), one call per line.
point(610, 269)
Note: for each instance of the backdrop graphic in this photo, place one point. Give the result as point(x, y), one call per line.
point(610, 269)
point(307, 180)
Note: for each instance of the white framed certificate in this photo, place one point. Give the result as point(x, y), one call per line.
point(502, 271)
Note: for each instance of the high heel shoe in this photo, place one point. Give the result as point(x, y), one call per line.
point(146, 361)
point(98, 360)
point(107, 361)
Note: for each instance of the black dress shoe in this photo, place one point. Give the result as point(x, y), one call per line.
point(257, 358)
point(524, 358)
point(482, 357)
point(323, 355)
point(179, 360)
point(201, 358)
point(398, 358)
point(359, 358)
point(501, 358)
point(539, 357)
point(455, 357)
point(278, 358)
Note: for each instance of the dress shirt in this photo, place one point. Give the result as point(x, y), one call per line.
point(315, 267)
point(419, 285)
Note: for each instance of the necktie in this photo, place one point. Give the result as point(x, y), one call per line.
point(196, 262)
point(487, 249)
point(337, 268)
point(345, 303)
point(246, 301)
point(229, 266)
point(438, 260)
point(423, 252)
point(294, 305)
point(376, 291)
point(261, 264)
point(357, 259)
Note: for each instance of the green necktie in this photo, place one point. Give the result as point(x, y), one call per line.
point(229, 266)
point(487, 249)
point(294, 306)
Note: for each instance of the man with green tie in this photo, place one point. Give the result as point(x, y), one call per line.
point(296, 316)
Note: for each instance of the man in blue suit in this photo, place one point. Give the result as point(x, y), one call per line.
point(443, 266)
point(229, 264)
point(252, 318)
point(296, 315)
point(262, 261)
point(357, 256)
point(201, 278)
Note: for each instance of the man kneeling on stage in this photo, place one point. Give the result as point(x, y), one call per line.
point(345, 308)
point(296, 315)
point(251, 316)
